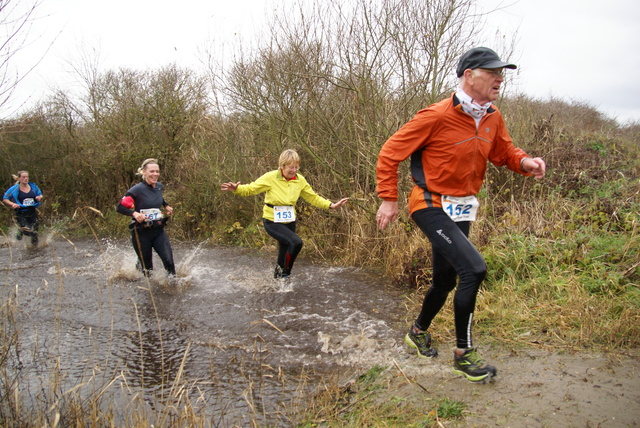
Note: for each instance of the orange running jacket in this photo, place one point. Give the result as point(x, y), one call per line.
point(448, 154)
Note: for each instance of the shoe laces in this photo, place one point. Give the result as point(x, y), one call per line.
point(422, 338)
point(473, 357)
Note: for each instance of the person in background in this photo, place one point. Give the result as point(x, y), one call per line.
point(449, 144)
point(24, 197)
point(283, 187)
point(145, 204)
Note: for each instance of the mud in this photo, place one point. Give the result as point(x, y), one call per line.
point(534, 388)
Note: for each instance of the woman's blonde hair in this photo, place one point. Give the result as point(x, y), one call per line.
point(287, 157)
point(146, 162)
point(17, 177)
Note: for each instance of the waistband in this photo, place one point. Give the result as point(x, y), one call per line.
point(154, 224)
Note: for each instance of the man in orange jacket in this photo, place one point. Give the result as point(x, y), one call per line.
point(449, 144)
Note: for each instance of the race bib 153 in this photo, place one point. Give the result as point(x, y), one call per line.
point(283, 214)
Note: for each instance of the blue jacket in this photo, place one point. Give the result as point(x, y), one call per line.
point(12, 194)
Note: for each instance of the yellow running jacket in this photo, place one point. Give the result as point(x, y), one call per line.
point(280, 191)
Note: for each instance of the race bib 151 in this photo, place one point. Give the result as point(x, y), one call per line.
point(152, 214)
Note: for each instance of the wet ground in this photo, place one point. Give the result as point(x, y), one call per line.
point(251, 346)
point(247, 349)
point(534, 388)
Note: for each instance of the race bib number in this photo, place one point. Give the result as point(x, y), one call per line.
point(27, 202)
point(283, 214)
point(460, 208)
point(152, 214)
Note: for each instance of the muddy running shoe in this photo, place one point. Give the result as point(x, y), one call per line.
point(421, 342)
point(278, 272)
point(472, 366)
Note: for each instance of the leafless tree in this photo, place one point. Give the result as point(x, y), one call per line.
point(335, 78)
point(16, 20)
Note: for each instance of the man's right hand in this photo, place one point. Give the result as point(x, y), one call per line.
point(387, 213)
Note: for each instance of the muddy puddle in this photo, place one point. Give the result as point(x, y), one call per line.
point(233, 340)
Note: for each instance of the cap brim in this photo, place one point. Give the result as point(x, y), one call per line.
point(499, 64)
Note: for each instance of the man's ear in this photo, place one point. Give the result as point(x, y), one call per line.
point(468, 73)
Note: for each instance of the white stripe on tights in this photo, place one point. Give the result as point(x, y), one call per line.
point(469, 344)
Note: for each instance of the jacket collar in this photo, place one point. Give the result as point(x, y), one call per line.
point(456, 104)
point(281, 177)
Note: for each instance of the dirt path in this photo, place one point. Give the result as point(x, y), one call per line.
point(533, 389)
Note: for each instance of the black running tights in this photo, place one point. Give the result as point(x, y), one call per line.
point(145, 240)
point(454, 258)
point(289, 244)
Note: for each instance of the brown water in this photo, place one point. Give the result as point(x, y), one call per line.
point(240, 346)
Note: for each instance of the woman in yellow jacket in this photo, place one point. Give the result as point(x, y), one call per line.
point(283, 188)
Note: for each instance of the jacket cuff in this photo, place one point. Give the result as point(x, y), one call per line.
point(522, 162)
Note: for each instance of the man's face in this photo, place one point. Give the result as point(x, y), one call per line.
point(483, 85)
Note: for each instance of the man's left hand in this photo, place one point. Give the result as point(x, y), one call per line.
point(535, 166)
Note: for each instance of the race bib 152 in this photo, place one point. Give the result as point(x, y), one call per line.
point(460, 208)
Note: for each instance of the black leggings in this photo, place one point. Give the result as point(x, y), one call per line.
point(289, 244)
point(27, 221)
point(454, 257)
point(144, 240)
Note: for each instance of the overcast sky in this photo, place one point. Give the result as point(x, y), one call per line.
point(576, 50)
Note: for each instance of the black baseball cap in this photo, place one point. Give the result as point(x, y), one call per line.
point(481, 58)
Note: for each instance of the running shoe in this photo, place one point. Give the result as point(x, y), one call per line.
point(278, 272)
point(472, 366)
point(421, 342)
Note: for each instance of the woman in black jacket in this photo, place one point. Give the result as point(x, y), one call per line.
point(145, 203)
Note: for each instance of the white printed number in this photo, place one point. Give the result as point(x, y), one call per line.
point(283, 214)
point(460, 208)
